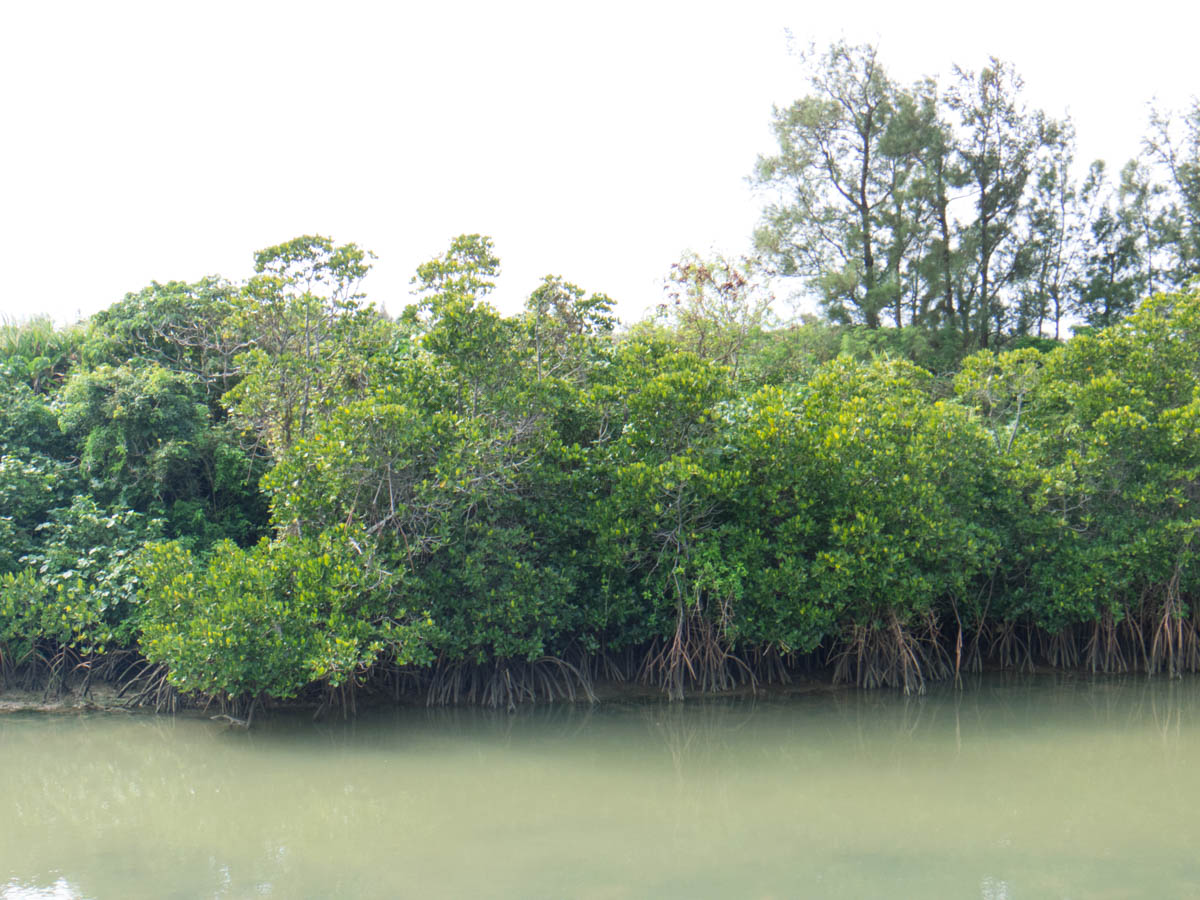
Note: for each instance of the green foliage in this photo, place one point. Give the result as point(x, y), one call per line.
point(77, 586)
point(1173, 149)
point(473, 518)
point(939, 352)
point(22, 610)
point(1123, 241)
point(456, 467)
point(909, 489)
point(468, 269)
point(663, 486)
point(789, 355)
point(464, 488)
point(997, 151)
point(309, 338)
point(564, 324)
point(133, 427)
point(29, 423)
point(272, 619)
point(184, 328)
point(955, 209)
point(476, 348)
point(842, 184)
point(1110, 458)
point(147, 442)
point(37, 354)
point(30, 487)
point(795, 516)
point(715, 306)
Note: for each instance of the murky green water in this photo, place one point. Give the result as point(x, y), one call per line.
point(1044, 787)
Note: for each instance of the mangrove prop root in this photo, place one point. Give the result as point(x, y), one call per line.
point(148, 686)
point(891, 655)
point(696, 656)
point(1153, 631)
point(509, 683)
point(1103, 650)
point(1174, 647)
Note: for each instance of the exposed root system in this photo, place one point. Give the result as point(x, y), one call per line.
point(1104, 651)
point(696, 657)
point(147, 685)
point(1173, 641)
point(891, 655)
point(507, 684)
point(1154, 631)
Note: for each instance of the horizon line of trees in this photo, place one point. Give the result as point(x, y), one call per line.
point(268, 490)
point(958, 209)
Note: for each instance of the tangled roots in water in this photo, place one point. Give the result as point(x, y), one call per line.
point(508, 683)
point(147, 685)
point(891, 656)
point(1174, 641)
point(696, 656)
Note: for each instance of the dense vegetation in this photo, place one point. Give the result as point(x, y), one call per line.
point(269, 489)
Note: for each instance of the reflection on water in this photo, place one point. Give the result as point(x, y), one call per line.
point(1013, 787)
point(60, 890)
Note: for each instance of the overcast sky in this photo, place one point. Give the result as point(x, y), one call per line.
point(164, 140)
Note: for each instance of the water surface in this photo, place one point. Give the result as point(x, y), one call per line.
point(1011, 788)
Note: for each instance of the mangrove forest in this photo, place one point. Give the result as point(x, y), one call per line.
point(983, 452)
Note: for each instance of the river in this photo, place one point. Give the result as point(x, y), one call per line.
point(1013, 787)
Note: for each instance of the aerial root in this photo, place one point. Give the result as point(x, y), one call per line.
point(891, 656)
point(1174, 643)
point(509, 683)
point(771, 665)
point(696, 656)
point(1103, 650)
point(1012, 646)
point(148, 685)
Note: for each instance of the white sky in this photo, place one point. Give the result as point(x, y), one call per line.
point(169, 140)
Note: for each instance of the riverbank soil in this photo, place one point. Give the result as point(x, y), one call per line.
point(98, 697)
